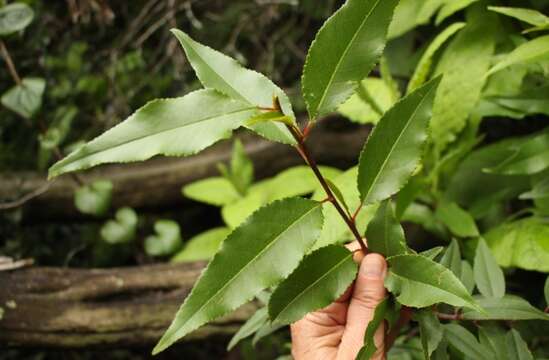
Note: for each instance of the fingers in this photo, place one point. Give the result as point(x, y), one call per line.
point(367, 294)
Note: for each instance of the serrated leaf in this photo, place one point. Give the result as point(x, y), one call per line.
point(159, 128)
point(222, 73)
point(467, 276)
point(488, 275)
point(423, 68)
point(95, 198)
point(217, 191)
point(516, 347)
point(492, 337)
point(384, 233)
point(452, 258)
point(202, 246)
point(530, 16)
point(530, 52)
point(14, 17)
point(343, 53)
point(25, 99)
point(430, 331)
point(509, 307)
point(432, 253)
point(282, 232)
point(393, 150)
point(253, 324)
point(122, 229)
point(318, 281)
point(166, 241)
point(465, 342)
point(369, 348)
point(458, 221)
point(419, 282)
point(450, 8)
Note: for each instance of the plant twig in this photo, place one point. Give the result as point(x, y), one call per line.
point(9, 63)
point(20, 202)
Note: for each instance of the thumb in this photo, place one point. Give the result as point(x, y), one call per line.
point(368, 292)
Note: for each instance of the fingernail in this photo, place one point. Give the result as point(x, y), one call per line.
point(373, 266)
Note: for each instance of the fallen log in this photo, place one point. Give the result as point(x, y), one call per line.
point(77, 308)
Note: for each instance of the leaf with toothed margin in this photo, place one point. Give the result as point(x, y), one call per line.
point(172, 127)
point(258, 254)
point(224, 74)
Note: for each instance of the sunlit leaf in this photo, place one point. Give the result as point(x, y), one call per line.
point(166, 241)
point(530, 52)
point(14, 17)
point(95, 198)
point(122, 229)
point(216, 191)
point(370, 101)
point(202, 246)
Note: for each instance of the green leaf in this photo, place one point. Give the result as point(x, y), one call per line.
point(423, 68)
point(242, 168)
point(430, 331)
point(488, 275)
point(344, 51)
point(384, 233)
point(282, 232)
point(530, 16)
point(265, 330)
point(166, 241)
point(202, 246)
point(432, 253)
point(369, 347)
point(452, 258)
point(393, 150)
point(420, 282)
point(540, 190)
point(216, 191)
point(367, 105)
point(321, 278)
point(492, 337)
point(122, 229)
point(523, 243)
point(517, 349)
point(530, 52)
point(95, 198)
point(465, 342)
point(14, 17)
point(222, 73)
point(411, 13)
point(450, 8)
point(464, 64)
point(254, 323)
point(25, 99)
point(467, 276)
point(338, 194)
point(509, 307)
point(458, 221)
point(159, 129)
point(546, 291)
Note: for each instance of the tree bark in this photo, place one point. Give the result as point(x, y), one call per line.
point(76, 308)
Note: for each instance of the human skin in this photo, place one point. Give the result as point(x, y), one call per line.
point(337, 331)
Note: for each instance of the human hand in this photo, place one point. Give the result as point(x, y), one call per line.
point(337, 331)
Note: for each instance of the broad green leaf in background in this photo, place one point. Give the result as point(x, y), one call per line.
point(432, 253)
point(222, 73)
point(530, 16)
point(540, 190)
point(522, 243)
point(509, 307)
point(464, 64)
point(408, 194)
point(25, 99)
point(492, 336)
point(517, 347)
point(423, 68)
point(467, 276)
point(530, 52)
point(409, 14)
point(344, 51)
point(488, 275)
point(458, 221)
point(393, 150)
point(217, 191)
point(422, 215)
point(517, 105)
point(14, 17)
point(321, 278)
point(253, 324)
point(370, 347)
point(419, 282)
point(546, 291)
point(452, 258)
point(282, 232)
point(384, 233)
point(451, 7)
point(167, 239)
point(367, 105)
point(265, 330)
point(387, 77)
point(162, 127)
point(430, 331)
point(122, 229)
point(95, 198)
point(202, 246)
point(465, 342)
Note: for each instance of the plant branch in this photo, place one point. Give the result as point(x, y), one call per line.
point(443, 316)
point(304, 152)
point(11, 67)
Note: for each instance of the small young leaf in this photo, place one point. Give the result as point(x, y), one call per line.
point(393, 150)
point(343, 53)
point(492, 337)
point(337, 193)
point(217, 191)
point(166, 241)
point(509, 307)
point(25, 99)
point(202, 246)
point(488, 275)
point(432, 253)
point(419, 282)
point(319, 280)
point(452, 258)
point(14, 17)
point(465, 342)
point(430, 331)
point(517, 349)
point(122, 229)
point(458, 221)
point(467, 276)
point(282, 232)
point(254, 323)
point(95, 198)
point(384, 233)
point(159, 129)
point(242, 168)
point(370, 347)
point(530, 52)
